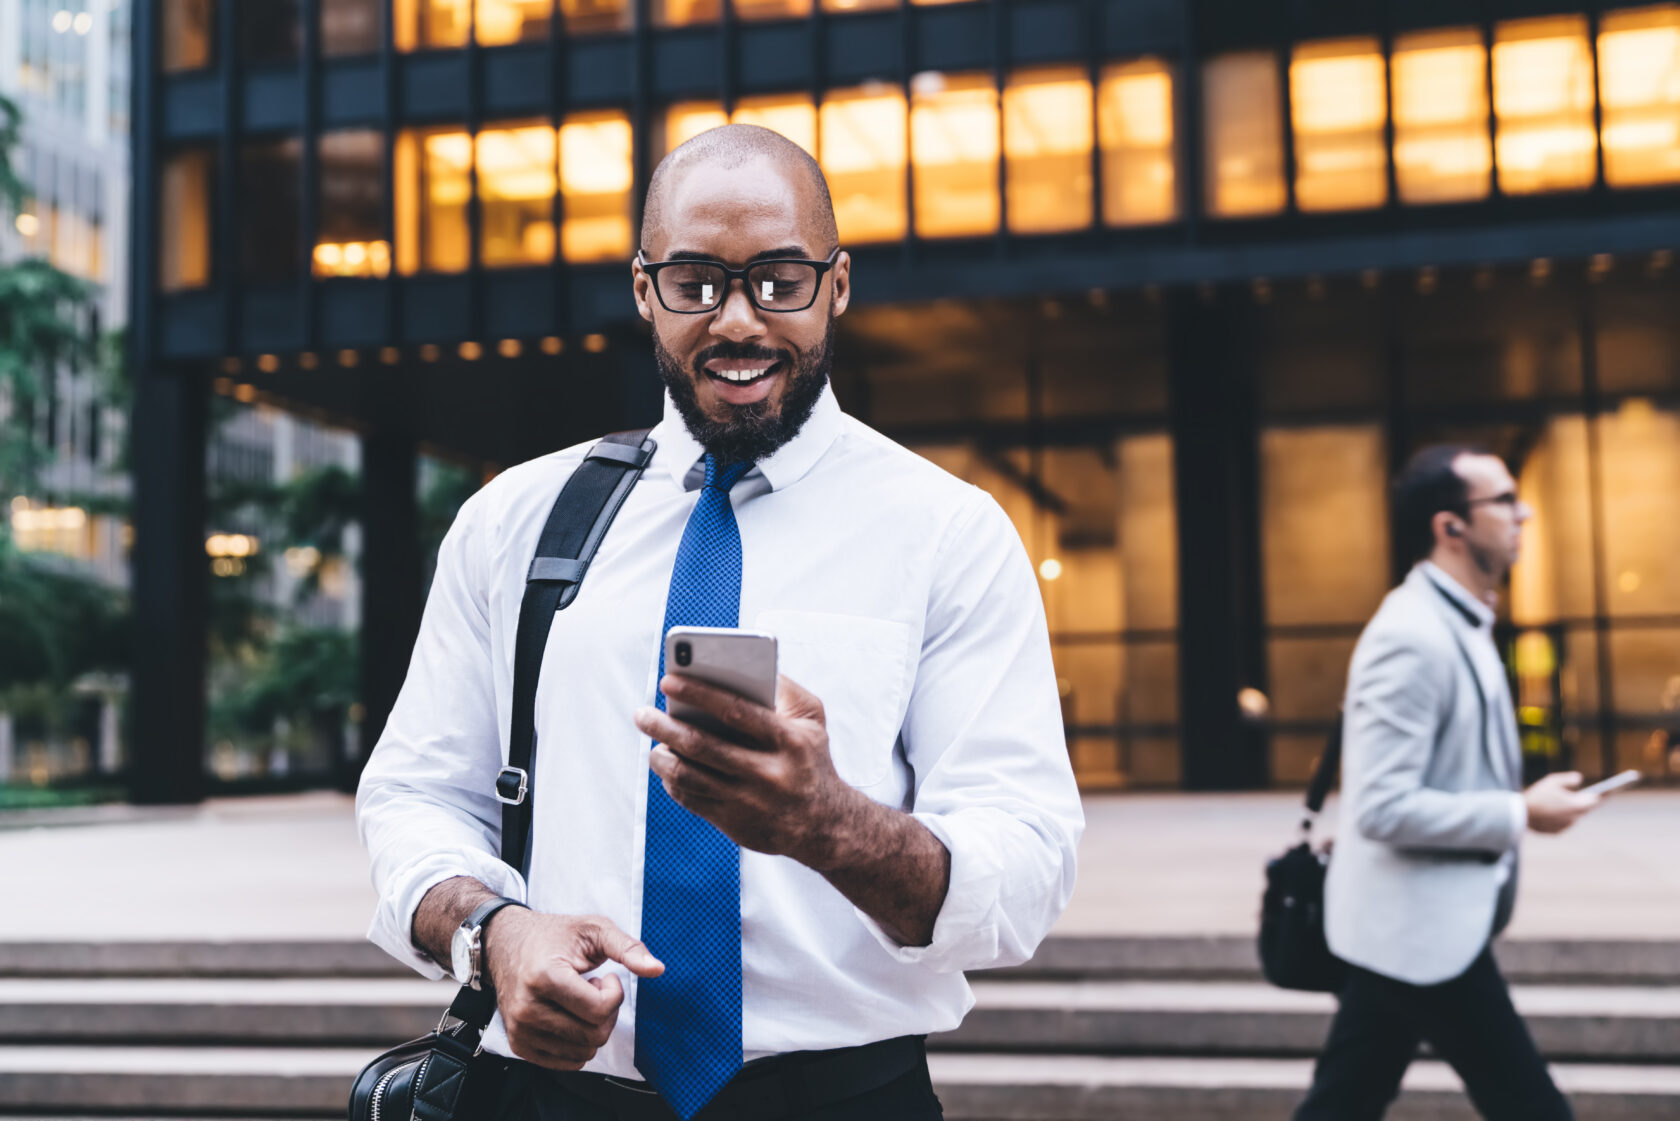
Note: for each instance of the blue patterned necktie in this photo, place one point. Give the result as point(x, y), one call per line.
point(688, 1020)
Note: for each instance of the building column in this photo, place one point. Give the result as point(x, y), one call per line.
point(1221, 638)
point(171, 587)
point(393, 591)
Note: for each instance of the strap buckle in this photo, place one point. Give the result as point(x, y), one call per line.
point(512, 784)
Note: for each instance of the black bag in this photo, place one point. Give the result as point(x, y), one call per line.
point(427, 1079)
point(1293, 951)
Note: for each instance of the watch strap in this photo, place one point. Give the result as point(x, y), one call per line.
point(476, 922)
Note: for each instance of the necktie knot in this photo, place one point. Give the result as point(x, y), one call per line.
point(724, 476)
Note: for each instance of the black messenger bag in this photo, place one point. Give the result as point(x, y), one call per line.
point(427, 1079)
point(1294, 953)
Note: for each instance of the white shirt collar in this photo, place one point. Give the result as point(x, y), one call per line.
point(682, 456)
point(1462, 596)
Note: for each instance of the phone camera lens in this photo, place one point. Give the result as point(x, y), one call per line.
point(685, 653)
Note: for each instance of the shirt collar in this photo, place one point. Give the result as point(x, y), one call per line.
point(1475, 612)
point(682, 456)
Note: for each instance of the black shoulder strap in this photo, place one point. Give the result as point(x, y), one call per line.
point(1324, 775)
point(586, 507)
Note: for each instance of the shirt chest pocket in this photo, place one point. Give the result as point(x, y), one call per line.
point(859, 668)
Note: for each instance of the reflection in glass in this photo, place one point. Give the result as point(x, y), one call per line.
point(1441, 147)
point(1640, 449)
point(792, 115)
point(1639, 89)
point(595, 176)
point(516, 195)
point(1543, 102)
point(1047, 149)
point(1338, 100)
point(1242, 118)
point(687, 119)
point(857, 5)
point(681, 13)
point(184, 220)
point(350, 27)
point(1135, 128)
point(432, 181)
point(271, 31)
point(954, 148)
point(419, 24)
point(586, 17)
point(772, 9)
point(499, 22)
point(186, 35)
point(350, 241)
point(268, 209)
point(863, 148)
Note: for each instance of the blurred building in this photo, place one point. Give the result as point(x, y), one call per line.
point(1181, 282)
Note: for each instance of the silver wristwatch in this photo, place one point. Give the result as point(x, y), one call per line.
point(466, 945)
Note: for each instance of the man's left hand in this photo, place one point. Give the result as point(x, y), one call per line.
point(771, 786)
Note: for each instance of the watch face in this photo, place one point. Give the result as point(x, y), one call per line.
point(460, 954)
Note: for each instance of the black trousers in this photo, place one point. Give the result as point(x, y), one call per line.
point(1468, 1021)
point(523, 1093)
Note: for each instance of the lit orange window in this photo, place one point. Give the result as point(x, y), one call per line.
point(1543, 105)
point(1639, 89)
point(433, 181)
point(595, 176)
point(1047, 149)
point(772, 9)
point(184, 233)
point(511, 21)
point(187, 30)
point(863, 142)
point(516, 195)
point(1242, 118)
point(954, 149)
point(584, 17)
point(1338, 103)
point(1441, 147)
point(687, 119)
point(350, 240)
point(857, 5)
point(680, 13)
point(795, 117)
point(1135, 128)
point(420, 24)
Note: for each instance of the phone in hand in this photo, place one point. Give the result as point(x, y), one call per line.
point(742, 662)
point(1613, 783)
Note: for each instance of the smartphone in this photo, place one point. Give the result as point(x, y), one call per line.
point(743, 662)
point(1614, 782)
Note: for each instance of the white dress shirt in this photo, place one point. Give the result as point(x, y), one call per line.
point(900, 596)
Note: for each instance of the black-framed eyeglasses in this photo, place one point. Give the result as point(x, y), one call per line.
point(1508, 499)
point(696, 287)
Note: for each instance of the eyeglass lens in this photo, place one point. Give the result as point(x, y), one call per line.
point(772, 286)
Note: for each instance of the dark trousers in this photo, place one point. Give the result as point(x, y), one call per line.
point(1469, 1022)
point(528, 1094)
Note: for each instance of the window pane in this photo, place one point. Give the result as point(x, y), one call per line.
point(1543, 99)
point(772, 9)
point(795, 117)
point(1135, 122)
point(269, 197)
point(184, 220)
point(351, 241)
point(350, 27)
point(591, 16)
point(954, 143)
point(1640, 445)
point(857, 5)
point(1555, 577)
point(432, 185)
point(595, 177)
point(678, 13)
point(271, 31)
point(186, 34)
point(685, 120)
point(512, 21)
point(1047, 146)
point(1338, 100)
point(863, 147)
point(1639, 88)
point(516, 195)
point(1441, 149)
point(1243, 120)
point(418, 24)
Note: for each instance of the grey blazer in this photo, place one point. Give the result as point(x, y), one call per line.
point(1415, 881)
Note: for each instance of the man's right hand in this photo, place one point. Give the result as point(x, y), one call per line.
point(554, 1017)
point(1556, 802)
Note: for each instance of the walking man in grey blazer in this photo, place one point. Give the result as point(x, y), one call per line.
point(1425, 867)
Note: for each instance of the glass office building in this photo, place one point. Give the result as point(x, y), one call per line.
point(1180, 282)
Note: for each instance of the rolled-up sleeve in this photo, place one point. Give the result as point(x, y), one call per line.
point(983, 735)
point(426, 807)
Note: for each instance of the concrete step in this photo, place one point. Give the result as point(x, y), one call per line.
point(1222, 957)
point(1088, 1017)
point(314, 1082)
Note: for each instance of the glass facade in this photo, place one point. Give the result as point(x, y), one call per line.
point(954, 151)
point(595, 180)
point(1135, 132)
point(1442, 152)
point(1243, 142)
point(862, 142)
point(187, 34)
point(350, 239)
point(184, 219)
point(433, 185)
point(516, 176)
point(1047, 149)
point(1543, 105)
point(1639, 90)
point(1338, 102)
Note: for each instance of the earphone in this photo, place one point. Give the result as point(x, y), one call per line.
point(1453, 530)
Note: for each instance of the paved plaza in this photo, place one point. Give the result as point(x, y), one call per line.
point(284, 868)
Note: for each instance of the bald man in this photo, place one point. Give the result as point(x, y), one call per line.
point(760, 923)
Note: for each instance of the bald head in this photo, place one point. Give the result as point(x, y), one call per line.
point(733, 147)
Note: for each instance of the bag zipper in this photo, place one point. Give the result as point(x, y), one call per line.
point(378, 1094)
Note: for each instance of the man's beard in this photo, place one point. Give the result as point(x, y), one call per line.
point(751, 433)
